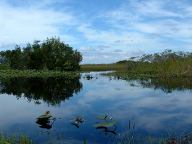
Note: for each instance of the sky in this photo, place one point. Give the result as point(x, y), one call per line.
point(104, 31)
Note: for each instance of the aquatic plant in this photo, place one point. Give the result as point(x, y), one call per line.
point(37, 74)
point(14, 140)
point(102, 67)
point(85, 141)
point(77, 121)
point(167, 64)
point(105, 124)
point(104, 117)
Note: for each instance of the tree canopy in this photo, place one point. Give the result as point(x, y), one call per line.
point(51, 54)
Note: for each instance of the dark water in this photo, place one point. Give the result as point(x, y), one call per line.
point(142, 109)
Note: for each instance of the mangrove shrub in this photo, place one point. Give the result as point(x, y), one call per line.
point(51, 54)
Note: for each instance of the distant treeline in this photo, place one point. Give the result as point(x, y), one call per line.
point(167, 63)
point(51, 54)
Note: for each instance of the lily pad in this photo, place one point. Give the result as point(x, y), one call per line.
point(103, 117)
point(105, 124)
point(44, 117)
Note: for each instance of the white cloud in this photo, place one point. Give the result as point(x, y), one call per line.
point(25, 24)
point(136, 26)
point(153, 17)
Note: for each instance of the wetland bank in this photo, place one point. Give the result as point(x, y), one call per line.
point(143, 111)
point(139, 100)
point(95, 71)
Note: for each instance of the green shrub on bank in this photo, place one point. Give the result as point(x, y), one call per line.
point(50, 54)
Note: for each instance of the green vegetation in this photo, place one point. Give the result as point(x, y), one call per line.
point(105, 124)
point(36, 74)
point(51, 54)
point(50, 58)
point(167, 64)
point(103, 67)
point(14, 140)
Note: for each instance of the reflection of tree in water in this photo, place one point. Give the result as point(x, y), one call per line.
point(166, 84)
point(50, 90)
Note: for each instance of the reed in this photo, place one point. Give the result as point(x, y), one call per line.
point(15, 140)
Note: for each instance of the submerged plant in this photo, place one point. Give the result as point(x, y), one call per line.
point(85, 141)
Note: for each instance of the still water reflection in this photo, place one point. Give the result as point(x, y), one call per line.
point(126, 109)
point(49, 90)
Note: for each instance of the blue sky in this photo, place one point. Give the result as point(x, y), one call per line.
point(104, 31)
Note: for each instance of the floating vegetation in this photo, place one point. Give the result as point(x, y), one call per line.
point(46, 120)
point(104, 117)
point(105, 124)
point(77, 121)
point(45, 116)
point(107, 127)
point(88, 77)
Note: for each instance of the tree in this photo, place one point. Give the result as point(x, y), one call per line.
point(51, 54)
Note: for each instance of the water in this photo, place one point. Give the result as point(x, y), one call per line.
point(142, 109)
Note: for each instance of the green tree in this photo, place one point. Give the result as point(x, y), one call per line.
point(51, 54)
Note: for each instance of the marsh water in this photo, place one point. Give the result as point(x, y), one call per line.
point(143, 110)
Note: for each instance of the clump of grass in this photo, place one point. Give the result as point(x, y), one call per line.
point(14, 140)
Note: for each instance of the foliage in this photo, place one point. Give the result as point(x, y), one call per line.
point(102, 67)
point(165, 64)
point(105, 124)
point(14, 140)
point(51, 54)
point(9, 73)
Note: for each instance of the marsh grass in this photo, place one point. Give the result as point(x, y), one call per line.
point(103, 67)
point(167, 64)
point(14, 140)
point(36, 74)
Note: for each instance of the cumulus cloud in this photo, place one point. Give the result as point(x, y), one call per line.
point(132, 26)
point(25, 24)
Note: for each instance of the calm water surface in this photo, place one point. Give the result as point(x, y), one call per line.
point(141, 108)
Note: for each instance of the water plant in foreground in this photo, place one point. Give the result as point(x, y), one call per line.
point(14, 140)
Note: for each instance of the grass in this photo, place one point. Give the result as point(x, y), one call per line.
point(14, 140)
point(144, 70)
point(167, 69)
point(102, 67)
point(167, 64)
point(36, 74)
